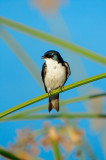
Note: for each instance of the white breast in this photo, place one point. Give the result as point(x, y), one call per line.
point(55, 74)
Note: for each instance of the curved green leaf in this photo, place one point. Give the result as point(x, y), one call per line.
point(68, 87)
point(8, 154)
point(52, 39)
point(43, 107)
point(61, 115)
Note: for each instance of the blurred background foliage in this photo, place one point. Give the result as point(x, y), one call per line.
point(71, 27)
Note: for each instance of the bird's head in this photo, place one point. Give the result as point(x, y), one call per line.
point(54, 55)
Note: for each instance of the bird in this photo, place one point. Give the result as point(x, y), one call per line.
point(55, 72)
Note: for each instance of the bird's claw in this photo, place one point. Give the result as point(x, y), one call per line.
point(50, 93)
point(61, 88)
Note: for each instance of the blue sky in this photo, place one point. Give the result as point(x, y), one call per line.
point(86, 22)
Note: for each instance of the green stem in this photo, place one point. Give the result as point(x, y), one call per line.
point(43, 107)
point(74, 85)
point(56, 150)
point(69, 116)
point(8, 154)
point(52, 39)
point(81, 98)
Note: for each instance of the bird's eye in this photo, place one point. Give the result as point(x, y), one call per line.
point(49, 56)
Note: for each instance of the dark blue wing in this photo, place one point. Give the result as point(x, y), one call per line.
point(68, 72)
point(43, 73)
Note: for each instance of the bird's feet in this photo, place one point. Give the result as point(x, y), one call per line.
point(61, 88)
point(50, 92)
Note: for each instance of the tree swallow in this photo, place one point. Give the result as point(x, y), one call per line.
point(55, 72)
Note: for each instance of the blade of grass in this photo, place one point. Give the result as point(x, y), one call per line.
point(8, 154)
point(52, 39)
point(56, 150)
point(43, 107)
point(65, 115)
point(22, 55)
point(74, 85)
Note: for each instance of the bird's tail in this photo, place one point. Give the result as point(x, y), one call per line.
point(54, 103)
